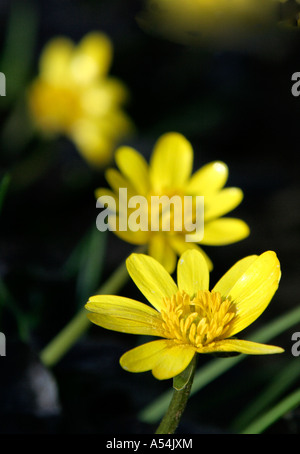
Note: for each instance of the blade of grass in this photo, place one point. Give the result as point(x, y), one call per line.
point(7, 301)
point(274, 414)
point(91, 264)
point(17, 56)
point(276, 388)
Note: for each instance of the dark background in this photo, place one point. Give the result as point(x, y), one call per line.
point(233, 105)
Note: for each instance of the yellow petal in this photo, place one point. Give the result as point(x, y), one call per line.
point(225, 284)
point(99, 98)
point(180, 245)
point(144, 357)
point(208, 179)
point(116, 180)
point(160, 249)
point(137, 238)
point(224, 231)
point(254, 290)
point(241, 346)
point(124, 314)
point(222, 202)
point(173, 361)
point(92, 58)
point(103, 192)
point(55, 61)
point(151, 278)
point(116, 217)
point(134, 167)
point(171, 162)
point(94, 146)
point(165, 358)
point(192, 272)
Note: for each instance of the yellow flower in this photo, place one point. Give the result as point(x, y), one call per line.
point(216, 21)
point(169, 174)
point(190, 318)
point(73, 96)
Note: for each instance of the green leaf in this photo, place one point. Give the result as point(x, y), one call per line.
point(267, 419)
point(18, 49)
point(3, 189)
point(91, 264)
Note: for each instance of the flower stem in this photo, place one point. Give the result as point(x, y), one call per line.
point(55, 350)
point(173, 415)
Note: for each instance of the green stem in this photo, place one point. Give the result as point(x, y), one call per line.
point(172, 417)
point(55, 350)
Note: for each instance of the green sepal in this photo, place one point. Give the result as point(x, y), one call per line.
point(182, 379)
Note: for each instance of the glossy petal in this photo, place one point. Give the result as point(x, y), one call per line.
point(124, 314)
point(180, 245)
point(229, 279)
point(173, 361)
point(224, 231)
point(254, 290)
point(208, 179)
point(160, 249)
point(241, 346)
point(165, 358)
point(222, 202)
point(134, 167)
point(151, 278)
point(171, 163)
point(192, 272)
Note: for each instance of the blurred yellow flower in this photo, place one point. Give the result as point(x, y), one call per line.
point(219, 21)
point(169, 174)
point(74, 96)
point(190, 318)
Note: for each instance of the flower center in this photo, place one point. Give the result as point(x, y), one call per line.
point(197, 321)
point(55, 107)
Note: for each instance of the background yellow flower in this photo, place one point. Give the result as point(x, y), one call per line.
point(221, 22)
point(170, 173)
point(74, 96)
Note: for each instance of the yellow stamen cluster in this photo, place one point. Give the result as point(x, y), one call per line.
point(199, 320)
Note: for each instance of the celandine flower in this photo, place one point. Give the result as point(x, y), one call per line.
point(169, 173)
point(74, 96)
point(222, 22)
point(190, 318)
